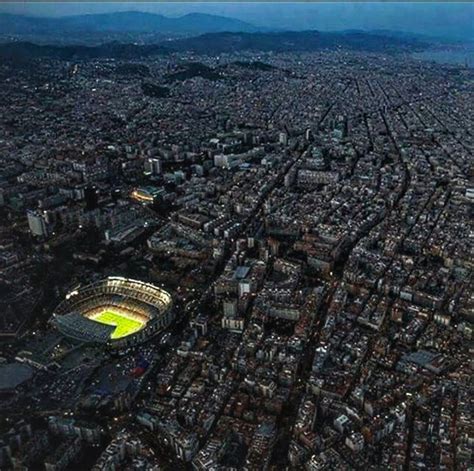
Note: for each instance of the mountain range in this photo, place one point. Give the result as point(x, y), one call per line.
point(122, 22)
point(218, 43)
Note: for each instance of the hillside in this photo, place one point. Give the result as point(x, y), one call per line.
point(121, 22)
point(217, 43)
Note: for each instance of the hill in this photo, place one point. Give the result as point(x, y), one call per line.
point(290, 41)
point(121, 22)
point(217, 43)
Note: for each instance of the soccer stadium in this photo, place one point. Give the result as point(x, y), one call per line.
point(115, 311)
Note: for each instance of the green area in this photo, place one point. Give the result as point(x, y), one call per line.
point(123, 324)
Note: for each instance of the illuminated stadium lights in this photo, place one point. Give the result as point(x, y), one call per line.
point(117, 311)
point(136, 195)
point(72, 293)
point(146, 194)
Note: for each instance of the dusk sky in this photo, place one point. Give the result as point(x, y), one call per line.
point(437, 19)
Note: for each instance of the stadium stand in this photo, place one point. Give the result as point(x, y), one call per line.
point(78, 316)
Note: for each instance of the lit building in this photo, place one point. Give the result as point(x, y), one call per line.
point(37, 224)
point(146, 194)
point(153, 167)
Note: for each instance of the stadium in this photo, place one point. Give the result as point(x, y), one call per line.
point(115, 311)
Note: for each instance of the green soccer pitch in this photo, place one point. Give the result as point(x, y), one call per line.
point(123, 324)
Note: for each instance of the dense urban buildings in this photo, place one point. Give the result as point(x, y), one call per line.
point(287, 236)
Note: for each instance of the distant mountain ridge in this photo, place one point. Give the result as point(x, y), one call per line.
point(27, 51)
point(218, 43)
point(122, 22)
point(290, 41)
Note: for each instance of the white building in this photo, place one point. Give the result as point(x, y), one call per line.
point(153, 166)
point(37, 223)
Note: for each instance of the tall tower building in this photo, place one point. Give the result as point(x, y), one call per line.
point(283, 138)
point(153, 166)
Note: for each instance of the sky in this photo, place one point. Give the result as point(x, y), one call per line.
point(447, 19)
